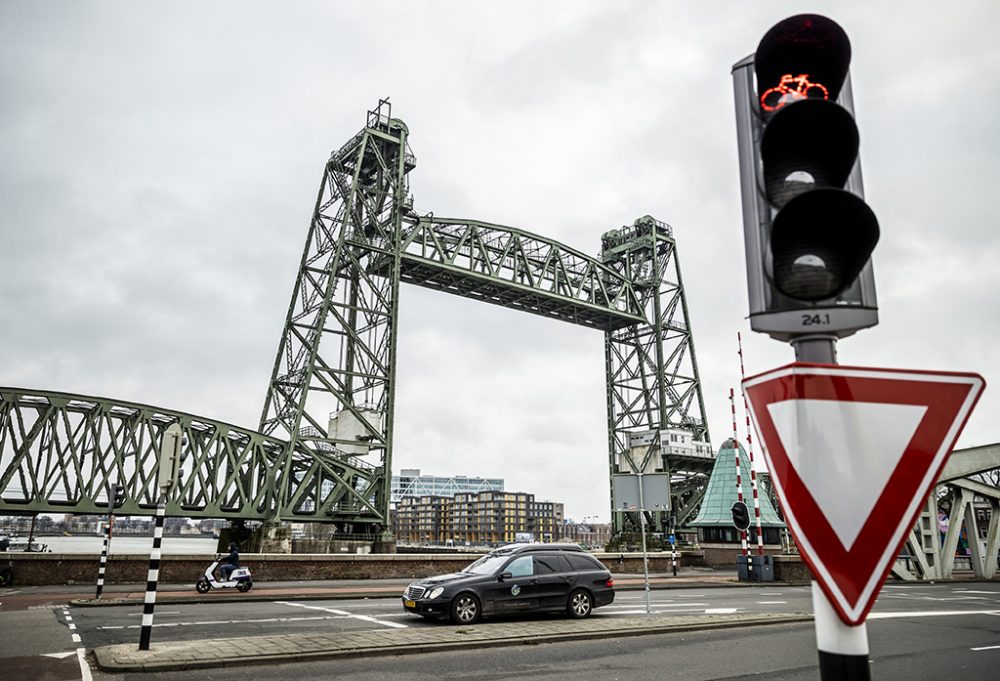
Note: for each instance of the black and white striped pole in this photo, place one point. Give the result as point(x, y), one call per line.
point(113, 498)
point(170, 454)
point(153, 576)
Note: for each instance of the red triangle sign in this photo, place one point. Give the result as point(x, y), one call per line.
point(853, 453)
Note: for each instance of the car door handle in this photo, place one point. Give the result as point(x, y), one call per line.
point(534, 581)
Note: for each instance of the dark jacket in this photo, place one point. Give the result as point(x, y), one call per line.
point(234, 557)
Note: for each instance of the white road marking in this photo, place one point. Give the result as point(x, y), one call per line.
point(656, 605)
point(772, 602)
point(72, 626)
point(59, 656)
point(929, 613)
point(720, 611)
point(971, 591)
point(344, 613)
point(986, 648)
point(76, 638)
point(84, 667)
point(654, 612)
point(213, 623)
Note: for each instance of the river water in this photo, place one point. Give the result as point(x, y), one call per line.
point(130, 543)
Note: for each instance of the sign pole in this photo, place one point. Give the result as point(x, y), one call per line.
point(645, 556)
point(673, 542)
point(843, 649)
point(153, 575)
point(170, 458)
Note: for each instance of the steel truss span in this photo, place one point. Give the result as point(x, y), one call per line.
point(323, 449)
point(62, 453)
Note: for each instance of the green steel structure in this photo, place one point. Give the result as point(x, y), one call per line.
point(323, 449)
point(62, 453)
point(653, 386)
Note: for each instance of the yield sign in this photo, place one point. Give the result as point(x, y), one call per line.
point(853, 453)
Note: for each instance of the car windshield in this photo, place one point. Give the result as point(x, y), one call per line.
point(486, 565)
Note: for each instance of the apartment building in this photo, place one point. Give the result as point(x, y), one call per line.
point(477, 518)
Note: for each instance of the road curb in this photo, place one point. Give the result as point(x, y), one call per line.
point(185, 655)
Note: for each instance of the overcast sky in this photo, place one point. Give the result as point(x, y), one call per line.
point(160, 163)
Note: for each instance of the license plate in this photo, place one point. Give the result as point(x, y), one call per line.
point(409, 603)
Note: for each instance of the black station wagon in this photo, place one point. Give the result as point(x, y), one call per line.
point(515, 578)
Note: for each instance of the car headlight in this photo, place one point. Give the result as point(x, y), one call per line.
point(436, 592)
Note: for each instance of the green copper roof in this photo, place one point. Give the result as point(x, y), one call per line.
point(716, 506)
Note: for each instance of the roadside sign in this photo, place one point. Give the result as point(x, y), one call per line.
point(170, 457)
point(853, 453)
point(654, 495)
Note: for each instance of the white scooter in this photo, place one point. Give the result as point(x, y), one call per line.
point(239, 578)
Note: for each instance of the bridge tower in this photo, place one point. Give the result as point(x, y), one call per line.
point(332, 386)
point(656, 415)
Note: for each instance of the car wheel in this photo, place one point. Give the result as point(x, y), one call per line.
point(203, 587)
point(580, 604)
point(465, 609)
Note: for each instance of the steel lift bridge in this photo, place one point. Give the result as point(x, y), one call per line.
point(323, 448)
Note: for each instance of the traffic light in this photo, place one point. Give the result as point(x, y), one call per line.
point(809, 233)
point(117, 497)
point(741, 516)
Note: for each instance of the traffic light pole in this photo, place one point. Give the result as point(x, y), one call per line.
point(843, 649)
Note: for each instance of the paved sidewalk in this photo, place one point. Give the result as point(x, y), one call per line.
point(229, 652)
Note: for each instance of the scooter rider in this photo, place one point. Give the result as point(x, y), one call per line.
point(232, 561)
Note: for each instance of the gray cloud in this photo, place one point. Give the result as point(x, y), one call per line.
point(160, 165)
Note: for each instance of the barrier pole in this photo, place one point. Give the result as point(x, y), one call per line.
point(739, 481)
point(753, 468)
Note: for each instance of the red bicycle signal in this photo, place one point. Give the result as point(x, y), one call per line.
point(777, 97)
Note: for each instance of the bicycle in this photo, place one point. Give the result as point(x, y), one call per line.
point(777, 97)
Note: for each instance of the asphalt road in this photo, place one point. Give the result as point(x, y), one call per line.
point(103, 626)
point(903, 649)
point(916, 631)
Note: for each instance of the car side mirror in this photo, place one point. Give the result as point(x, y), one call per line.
point(504, 575)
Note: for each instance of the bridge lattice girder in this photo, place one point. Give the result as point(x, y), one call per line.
point(61, 453)
point(517, 269)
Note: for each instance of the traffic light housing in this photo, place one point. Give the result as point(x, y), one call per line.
point(117, 496)
point(741, 516)
point(809, 233)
